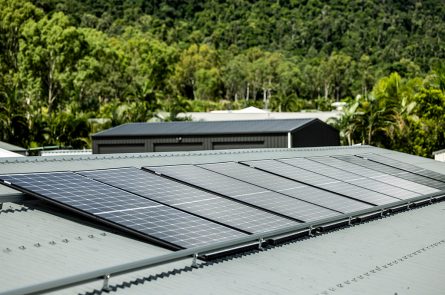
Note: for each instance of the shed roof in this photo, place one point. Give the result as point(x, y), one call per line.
point(206, 128)
point(347, 257)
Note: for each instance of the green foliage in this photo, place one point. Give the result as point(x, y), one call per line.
point(71, 68)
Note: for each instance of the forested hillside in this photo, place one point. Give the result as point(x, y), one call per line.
point(72, 67)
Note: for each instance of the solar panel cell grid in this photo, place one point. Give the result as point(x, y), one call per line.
point(245, 192)
point(190, 199)
point(328, 183)
point(122, 208)
point(345, 176)
point(405, 166)
point(288, 187)
point(382, 177)
point(393, 171)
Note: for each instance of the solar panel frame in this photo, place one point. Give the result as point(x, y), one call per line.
point(287, 187)
point(17, 182)
point(245, 192)
point(352, 178)
point(183, 197)
point(321, 181)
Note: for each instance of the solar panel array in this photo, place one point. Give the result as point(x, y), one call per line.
point(394, 171)
point(404, 166)
point(250, 194)
point(374, 174)
point(186, 206)
point(345, 176)
point(133, 212)
point(288, 187)
point(324, 182)
point(190, 199)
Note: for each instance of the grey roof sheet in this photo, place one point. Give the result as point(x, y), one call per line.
point(11, 147)
point(400, 254)
point(37, 246)
point(205, 128)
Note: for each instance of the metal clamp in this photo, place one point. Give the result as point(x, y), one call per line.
point(311, 228)
point(260, 243)
point(106, 285)
point(350, 221)
point(195, 260)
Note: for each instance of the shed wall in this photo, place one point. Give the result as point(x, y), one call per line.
point(185, 143)
point(315, 134)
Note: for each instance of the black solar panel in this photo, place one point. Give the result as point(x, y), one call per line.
point(382, 177)
point(351, 178)
point(245, 192)
point(404, 166)
point(394, 171)
point(288, 187)
point(322, 181)
point(190, 199)
point(123, 209)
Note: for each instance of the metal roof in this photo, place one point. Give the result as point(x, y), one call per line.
point(400, 254)
point(309, 266)
point(11, 147)
point(206, 128)
point(8, 154)
point(249, 114)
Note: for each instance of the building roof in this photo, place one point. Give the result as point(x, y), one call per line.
point(69, 152)
point(8, 154)
point(252, 113)
point(11, 147)
point(206, 128)
point(439, 152)
point(46, 244)
point(401, 254)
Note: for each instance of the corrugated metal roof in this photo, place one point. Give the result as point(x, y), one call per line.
point(400, 254)
point(11, 147)
point(8, 154)
point(205, 128)
point(309, 266)
point(37, 246)
point(237, 115)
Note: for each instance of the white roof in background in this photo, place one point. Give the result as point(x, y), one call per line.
point(248, 110)
point(439, 152)
point(66, 152)
point(253, 113)
point(8, 154)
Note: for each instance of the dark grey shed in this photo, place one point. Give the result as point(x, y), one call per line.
point(215, 135)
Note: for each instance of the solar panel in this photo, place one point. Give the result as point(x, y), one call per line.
point(123, 209)
point(404, 166)
point(190, 199)
point(393, 171)
point(321, 181)
point(245, 192)
point(287, 187)
point(345, 176)
point(383, 177)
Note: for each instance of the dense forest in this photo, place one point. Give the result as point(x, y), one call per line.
point(69, 68)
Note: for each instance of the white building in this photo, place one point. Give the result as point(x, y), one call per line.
point(8, 154)
point(253, 113)
point(439, 155)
